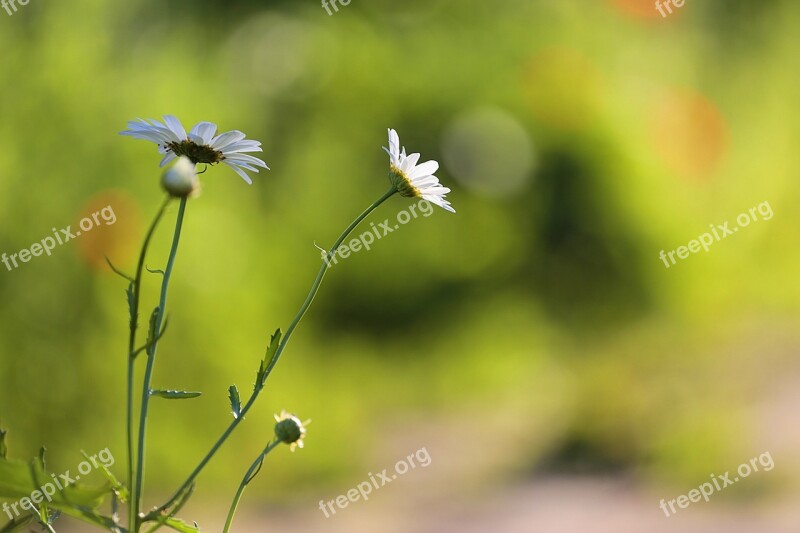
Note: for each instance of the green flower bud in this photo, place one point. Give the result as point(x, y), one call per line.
point(289, 429)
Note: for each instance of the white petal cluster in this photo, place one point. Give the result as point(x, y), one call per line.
point(412, 179)
point(200, 145)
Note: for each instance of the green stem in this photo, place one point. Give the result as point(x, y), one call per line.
point(41, 518)
point(321, 275)
point(47, 526)
point(306, 304)
point(137, 283)
point(136, 500)
point(248, 477)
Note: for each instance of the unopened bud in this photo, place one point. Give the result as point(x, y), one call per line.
point(181, 179)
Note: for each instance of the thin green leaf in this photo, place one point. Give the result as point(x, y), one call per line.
point(90, 516)
point(119, 489)
point(177, 524)
point(252, 475)
point(118, 271)
point(19, 479)
point(236, 404)
point(3, 446)
point(44, 516)
point(152, 342)
point(175, 394)
point(169, 510)
point(183, 500)
point(151, 331)
point(272, 350)
point(129, 293)
point(44, 511)
point(154, 270)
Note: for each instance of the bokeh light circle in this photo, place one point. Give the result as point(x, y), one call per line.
point(282, 54)
point(488, 151)
point(688, 133)
point(115, 229)
point(639, 9)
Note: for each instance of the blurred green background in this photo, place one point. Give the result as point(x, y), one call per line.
point(536, 333)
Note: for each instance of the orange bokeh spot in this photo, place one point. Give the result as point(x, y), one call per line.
point(640, 9)
point(689, 133)
point(109, 226)
point(562, 87)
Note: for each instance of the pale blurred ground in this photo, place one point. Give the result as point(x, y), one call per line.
point(456, 493)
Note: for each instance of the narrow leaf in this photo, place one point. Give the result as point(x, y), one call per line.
point(44, 512)
point(155, 271)
point(151, 331)
point(183, 500)
point(90, 516)
point(118, 488)
point(175, 394)
point(19, 479)
point(179, 525)
point(3, 446)
point(131, 305)
point(236, 404)
point(42, 458)
point(118, 271)
point(150, 343)
point(272, 350)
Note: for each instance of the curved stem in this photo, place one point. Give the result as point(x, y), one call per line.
point(321, 275)
point(303, 308)
point(136, 499)
point(248, 477)
point(137, 283)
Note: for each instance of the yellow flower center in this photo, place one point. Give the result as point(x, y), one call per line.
point(402, 183)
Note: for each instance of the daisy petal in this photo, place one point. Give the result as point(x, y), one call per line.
point(175, 126)
point(411, 179)
point(438, 200)
point(200, 145)
point(243, 146)
point(425, 169)
point(241, 172)
point(167, 158)
point(394, 143)
point(247, 159)
point(203, 132)
point(226, 139)
point(409, 162)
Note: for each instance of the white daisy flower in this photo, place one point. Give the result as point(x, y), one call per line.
point(200, 145)
point(413, 180)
